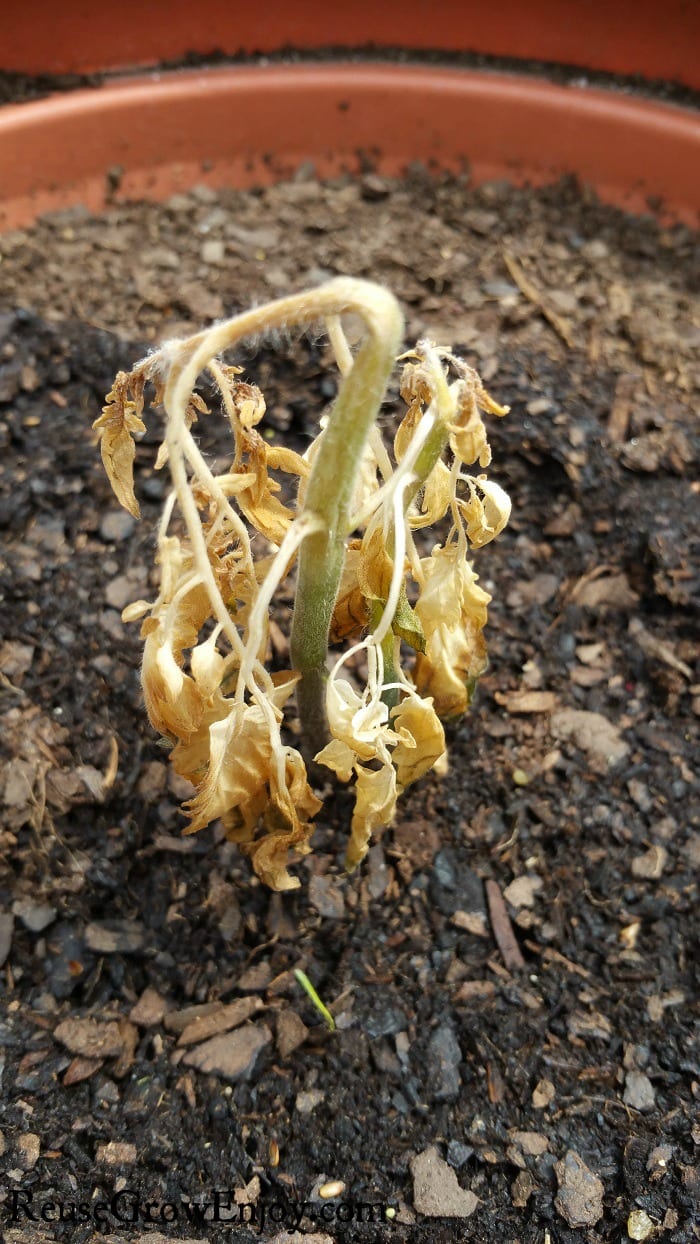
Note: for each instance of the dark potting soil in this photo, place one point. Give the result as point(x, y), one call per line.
point(512, 970)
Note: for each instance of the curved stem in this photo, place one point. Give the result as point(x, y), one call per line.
point(331, 485)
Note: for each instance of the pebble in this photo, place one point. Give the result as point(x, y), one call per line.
point(543, 1094)
point(291, 1032)
point(149, 1009)
point(299, 1237)
point(522, 891)
point(116, 525)
point(580, 1196)
point(28, 1149)
point(458, 1153)
point(639, 1091)
point(327, 897)
point(90, 1038)
point(385, 1021)
point(534, 1144)
point(67, 962)
point(591, 732)
point(213, 251)
point(114, 937)
point(120, 591)
point(232, 1055)
point(34, 916)
point(116, 1153)
point(379, 874)
point(436, 1189)
point(7, 924)
point(443, 1058)
point(308, 1099)
point(650, 866)
point(639, 1225)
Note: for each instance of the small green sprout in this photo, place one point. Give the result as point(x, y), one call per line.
point(320, 1006)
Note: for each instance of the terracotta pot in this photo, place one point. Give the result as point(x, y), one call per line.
point(246, 125)
point(623, 36)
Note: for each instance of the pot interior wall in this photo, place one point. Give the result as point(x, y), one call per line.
point(243, 126)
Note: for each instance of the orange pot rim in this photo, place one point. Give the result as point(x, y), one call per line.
point(250, 125)
point(633, 37)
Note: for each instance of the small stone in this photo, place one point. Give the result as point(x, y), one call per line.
point(658, 1161)
point(7, 924)
point(114, 937)
point(15, 659)
point(444, 1056)
point(232, 1055)
point(213, 251)
point(580, 1196)
point(149, 1009)
point(28, 1149)
point(522, 1189)
point(256, 978)
point(327, 897)
point(650, 866)
point(90, 1038)
point(116, 525)
point(34, 916)
point(308, 1099)
point(639, 1225)
point(120, 591)
point(379, 875)
point(522, 891)
point(300, 1237)
point(639, 1091)
point(291, 1032)
point(592, 733)
point(543, 1094)
point(534, 1144)
point(458, 1153)
point(436, 1189)
point(116, 1153)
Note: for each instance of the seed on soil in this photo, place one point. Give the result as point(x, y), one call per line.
point(334, 1188)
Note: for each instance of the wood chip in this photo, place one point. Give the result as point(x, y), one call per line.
point(81, 1069)
point(116, 1153)
point(502, 928)
point(533, 295)
point(619, 417)
point(475, 991)
point(527, 701)
point(658, 649)
point(223, 1019)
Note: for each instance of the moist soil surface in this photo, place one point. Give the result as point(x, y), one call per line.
point(511, 971)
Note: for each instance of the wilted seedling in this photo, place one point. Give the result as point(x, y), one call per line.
point(227, 541)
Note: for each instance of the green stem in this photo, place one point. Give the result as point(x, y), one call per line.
point(329, 495)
